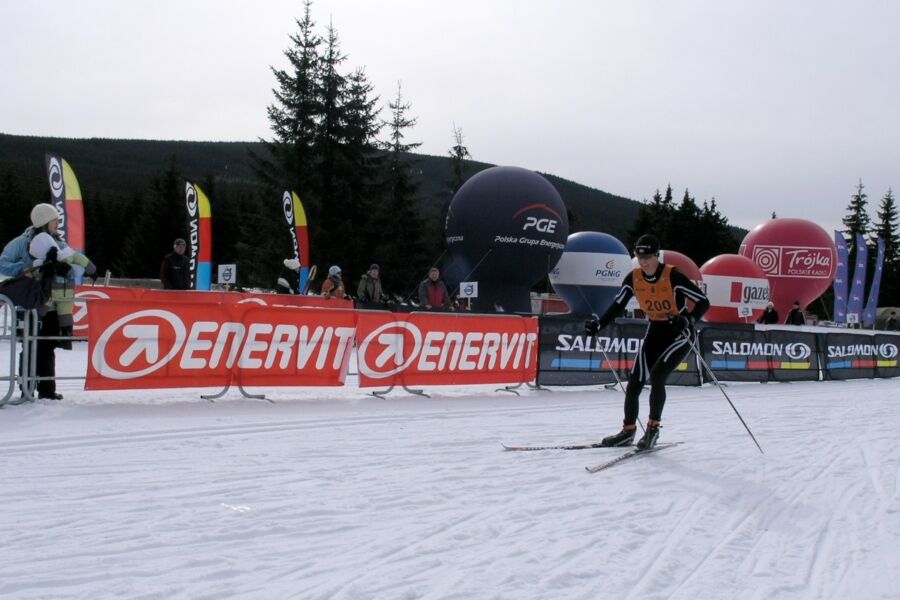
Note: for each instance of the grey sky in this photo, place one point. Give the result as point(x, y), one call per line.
point(764, 105)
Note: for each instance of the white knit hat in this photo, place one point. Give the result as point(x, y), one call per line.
point(334, 270)
point(43, 214)
point(292, 263)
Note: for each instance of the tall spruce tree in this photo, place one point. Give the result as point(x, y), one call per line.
point(294, 116)
point(459, 154)
point(857, 219)
point(403, 245)
point(886, 228)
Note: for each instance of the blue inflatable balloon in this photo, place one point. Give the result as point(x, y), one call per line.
point(591, 271)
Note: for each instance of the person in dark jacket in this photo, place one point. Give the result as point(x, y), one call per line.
point(663, 292)
point(769, 316)
point(433, 293)
point(795, 317)
point(175, 271)
point(369, 289)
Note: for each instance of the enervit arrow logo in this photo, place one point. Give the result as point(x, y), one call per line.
point(143, 330)
point(398, 343)
point(80, 310)
point(400, 346)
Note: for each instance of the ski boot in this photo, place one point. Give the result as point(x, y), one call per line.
point(650, 436)
point(623, 438)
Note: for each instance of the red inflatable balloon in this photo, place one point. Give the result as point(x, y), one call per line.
point(797, 256)
point(737, 289)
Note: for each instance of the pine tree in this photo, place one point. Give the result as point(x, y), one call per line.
point(294, 116)
point(15, 207)
point(459, 154)
point(886, 228)
point(857, 219)
point(403, 245)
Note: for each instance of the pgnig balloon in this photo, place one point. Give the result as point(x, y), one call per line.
point(590, 271)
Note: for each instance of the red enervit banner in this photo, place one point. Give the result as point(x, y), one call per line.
point(139, 344)
point(80, 310)
point(445, 348)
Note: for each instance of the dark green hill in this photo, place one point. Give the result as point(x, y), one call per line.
point(111, 169)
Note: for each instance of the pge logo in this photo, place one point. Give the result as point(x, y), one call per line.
point(80, 309)
point(888, 350)
point(55, 175)
point(768, 258)
point(389, 349)
point(287, 205)
point(141, 335)
point(798, 351)
point(543, 224)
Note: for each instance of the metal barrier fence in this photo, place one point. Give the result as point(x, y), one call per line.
point(23, 326)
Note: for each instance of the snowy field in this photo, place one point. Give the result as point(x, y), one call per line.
point(330, 494)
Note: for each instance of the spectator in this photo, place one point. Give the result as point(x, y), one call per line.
point(433, 293)
point(43, 240)
point(175, 270)
point(369, 289)
point(289, 278)
point(333, 286)
point(795, 317)
point(769, 316)
point(891, 323)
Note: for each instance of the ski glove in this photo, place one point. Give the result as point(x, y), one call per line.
point(592, 325)
point(682, 323)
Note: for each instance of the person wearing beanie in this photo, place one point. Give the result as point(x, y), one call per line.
point(369, 289)
point(662, 292)
point(175, 270)
point(289, 278)
point(333, 287)
point(42, 238)
point(15, 259)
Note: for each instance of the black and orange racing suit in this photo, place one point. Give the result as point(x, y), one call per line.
point(663, 298)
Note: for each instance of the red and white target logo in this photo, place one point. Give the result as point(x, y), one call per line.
point(138, 344)
point(80, 309)
point(768, 258)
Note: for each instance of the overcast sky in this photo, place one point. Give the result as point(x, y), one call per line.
point(763, 105)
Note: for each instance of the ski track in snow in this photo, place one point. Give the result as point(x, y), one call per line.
point(329, 495)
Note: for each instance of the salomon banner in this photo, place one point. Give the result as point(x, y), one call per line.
point(445, 348)
point(295, 217)
point(199, 222)
point(66, 193)
point(855, 356)
point(745, 353)
point(570, 357)
point(159, 344)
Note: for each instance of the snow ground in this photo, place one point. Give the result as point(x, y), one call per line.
point(330, 494)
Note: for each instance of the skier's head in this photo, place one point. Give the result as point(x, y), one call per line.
point(44, 214)
point(646, 245)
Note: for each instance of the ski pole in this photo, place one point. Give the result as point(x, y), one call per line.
point(719, 385)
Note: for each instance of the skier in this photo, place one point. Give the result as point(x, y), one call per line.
point(662, 292)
